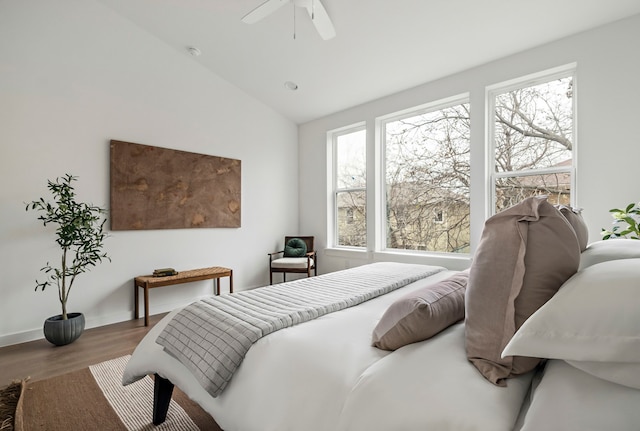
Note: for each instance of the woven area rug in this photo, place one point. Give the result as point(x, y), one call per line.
point(94, 398)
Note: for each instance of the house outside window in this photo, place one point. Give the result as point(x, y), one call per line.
point(350, 215)
point(427, 171)
point(533, 140)
point(349, 185)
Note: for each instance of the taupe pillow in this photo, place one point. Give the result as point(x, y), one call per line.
point(422, 314)
point(574, 217)
point(525, 254)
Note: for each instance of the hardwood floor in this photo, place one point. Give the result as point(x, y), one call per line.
point(40, 360)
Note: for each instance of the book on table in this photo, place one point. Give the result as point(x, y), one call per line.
point(164, 272)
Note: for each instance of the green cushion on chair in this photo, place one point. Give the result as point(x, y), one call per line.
point(295, 247)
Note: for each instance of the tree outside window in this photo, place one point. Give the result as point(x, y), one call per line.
point(427, 169)
point(533, 140)
point(350, 191)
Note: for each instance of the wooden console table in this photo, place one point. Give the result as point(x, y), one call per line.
point(149, 282)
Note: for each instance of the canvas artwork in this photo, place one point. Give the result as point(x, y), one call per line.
point(161, 188)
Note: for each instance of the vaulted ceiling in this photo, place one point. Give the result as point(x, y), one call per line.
point(381, 46)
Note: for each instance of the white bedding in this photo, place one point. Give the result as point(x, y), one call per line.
point(568, 399)
point(431, 386)
point(325, 375)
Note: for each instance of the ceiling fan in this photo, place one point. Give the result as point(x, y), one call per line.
point(316, 11)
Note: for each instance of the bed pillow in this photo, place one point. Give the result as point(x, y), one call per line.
point(622, 373)
point(574, 217)
point(593, 317)
point(422, 314)
point(611, 249)
point(525, 254)
point(295, 247)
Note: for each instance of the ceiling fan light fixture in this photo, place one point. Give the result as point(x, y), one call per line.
point(318, 14)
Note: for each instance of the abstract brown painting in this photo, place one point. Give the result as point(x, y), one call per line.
point(160, 188)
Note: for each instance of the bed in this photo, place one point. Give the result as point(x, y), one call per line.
point(318, 375)
point(326, 374)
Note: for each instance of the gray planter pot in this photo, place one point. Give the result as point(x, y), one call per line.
point(61, 332)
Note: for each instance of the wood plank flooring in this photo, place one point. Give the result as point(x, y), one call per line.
point(40, 359)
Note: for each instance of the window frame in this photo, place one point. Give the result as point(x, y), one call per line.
point(482, 161)
point(332, 142)
point(381, 121)
point(491, 92)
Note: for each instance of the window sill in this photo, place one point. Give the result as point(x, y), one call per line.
point(448, 260)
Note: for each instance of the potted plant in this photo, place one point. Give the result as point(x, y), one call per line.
point(80, 235)
point(626, 223)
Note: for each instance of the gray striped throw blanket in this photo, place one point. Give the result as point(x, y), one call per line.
point(211, 336)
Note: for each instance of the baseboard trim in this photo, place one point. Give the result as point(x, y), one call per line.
point(21, 337)
point(91, 322)
point(36, 334)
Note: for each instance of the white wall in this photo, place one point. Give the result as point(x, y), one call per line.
point(608, 146)
point(74, 75)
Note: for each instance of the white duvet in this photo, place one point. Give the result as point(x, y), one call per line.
point(568, 399)
point(324, 375)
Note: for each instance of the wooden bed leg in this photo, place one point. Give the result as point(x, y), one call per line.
point(162, 390)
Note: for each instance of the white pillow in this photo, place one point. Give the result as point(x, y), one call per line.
point(595, 316)
point(622, 373)
point(611, 249)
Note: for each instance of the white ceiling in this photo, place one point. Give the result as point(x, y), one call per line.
point(381, 47)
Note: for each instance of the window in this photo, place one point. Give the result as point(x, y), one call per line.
point(350, 175)
point(533, 140)
point(427, 170)
point(418, 194)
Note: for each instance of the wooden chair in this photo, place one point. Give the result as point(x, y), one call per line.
point(299, 256)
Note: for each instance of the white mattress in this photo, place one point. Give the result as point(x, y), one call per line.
point(325, 375)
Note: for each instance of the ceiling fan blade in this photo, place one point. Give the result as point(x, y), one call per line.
point(321, 19)
point(263, 10)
